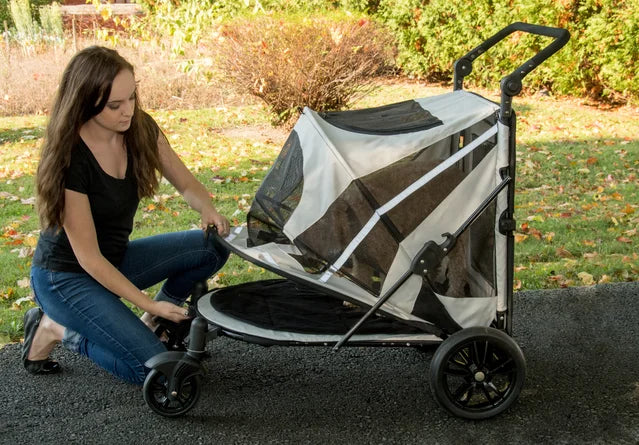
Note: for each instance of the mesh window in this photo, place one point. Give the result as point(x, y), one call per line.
point(402, 117)
point(371, 260)
point(278, 196)
point(482, 244)
point(406, 216)
point(324, 241)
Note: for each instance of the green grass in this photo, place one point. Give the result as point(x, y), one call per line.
point(577, 189)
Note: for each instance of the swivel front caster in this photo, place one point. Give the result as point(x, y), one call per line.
point(173, 386)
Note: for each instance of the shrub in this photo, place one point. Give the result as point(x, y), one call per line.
point(5, 12)
point(314, 61)
point(601, 60)
point(26, 29)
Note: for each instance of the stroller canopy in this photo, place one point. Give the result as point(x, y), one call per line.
point(354, 195)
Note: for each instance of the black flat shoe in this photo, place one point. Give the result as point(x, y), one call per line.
point(31, 322)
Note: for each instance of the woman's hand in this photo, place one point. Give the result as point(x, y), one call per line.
point(169, 311)
point(211, 217)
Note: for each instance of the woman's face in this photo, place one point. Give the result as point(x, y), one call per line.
point(118, 111)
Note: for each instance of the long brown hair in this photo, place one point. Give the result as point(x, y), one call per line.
point(83, 93)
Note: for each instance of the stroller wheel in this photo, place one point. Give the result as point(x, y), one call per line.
point(477, 373)
point(157, 396)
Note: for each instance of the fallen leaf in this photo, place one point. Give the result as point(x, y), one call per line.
point(604, 279)
point(536, 233)
point(563, 253)
point(624, 239)
point(586, 278)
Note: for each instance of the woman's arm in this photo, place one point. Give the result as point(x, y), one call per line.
point(194, 193)
point(80, 229)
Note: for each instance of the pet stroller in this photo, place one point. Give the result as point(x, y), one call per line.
point(391, 226)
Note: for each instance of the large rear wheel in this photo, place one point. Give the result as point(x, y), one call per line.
point(477, 373)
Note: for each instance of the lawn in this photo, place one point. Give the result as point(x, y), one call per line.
point(577, 188)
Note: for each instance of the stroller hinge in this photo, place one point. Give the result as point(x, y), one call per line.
point(432, 254)
point(507, 224)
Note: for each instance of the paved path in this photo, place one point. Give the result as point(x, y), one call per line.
point(581, 345)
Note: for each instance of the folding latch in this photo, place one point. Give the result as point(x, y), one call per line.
point(507, 224)
point(432, 254)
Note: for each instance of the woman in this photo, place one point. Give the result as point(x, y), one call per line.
point(101, 154)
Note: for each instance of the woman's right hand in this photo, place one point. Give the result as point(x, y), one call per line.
point(169, 311)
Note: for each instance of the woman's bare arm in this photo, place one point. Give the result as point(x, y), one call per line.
point(194, 193)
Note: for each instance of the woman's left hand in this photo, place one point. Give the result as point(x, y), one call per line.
point(211, 217)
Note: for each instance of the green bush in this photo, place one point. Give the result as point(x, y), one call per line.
point(313, 61)
point(51, 22)
point(5, 12)
point(601, 60)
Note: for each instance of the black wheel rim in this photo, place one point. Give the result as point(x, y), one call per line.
point(479, 375)
point(181, 402)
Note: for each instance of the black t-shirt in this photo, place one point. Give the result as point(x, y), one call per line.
point(113, 205)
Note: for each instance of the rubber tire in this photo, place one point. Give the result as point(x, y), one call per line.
point(158, 401)
point(504, 350)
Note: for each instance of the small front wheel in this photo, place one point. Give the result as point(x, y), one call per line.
point(157, 394)
point(477, 373)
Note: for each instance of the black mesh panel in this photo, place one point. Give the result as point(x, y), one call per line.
point(402, 117)
point(278, 196)
point(327, 238)
point(370, 262)
point(482, 245)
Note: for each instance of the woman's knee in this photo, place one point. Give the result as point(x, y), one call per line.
point(218, 254)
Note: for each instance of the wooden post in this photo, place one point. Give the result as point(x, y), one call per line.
point(6, 34)
point(75, 47)
point(6, 41)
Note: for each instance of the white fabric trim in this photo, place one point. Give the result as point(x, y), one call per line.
point(501, 250)
point(469, 312)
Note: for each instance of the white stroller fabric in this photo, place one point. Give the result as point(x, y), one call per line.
point(334, 157)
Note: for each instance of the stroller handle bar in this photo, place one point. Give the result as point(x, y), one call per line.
point(511, 85)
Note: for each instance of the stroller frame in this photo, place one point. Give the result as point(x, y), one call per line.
point(476, 372)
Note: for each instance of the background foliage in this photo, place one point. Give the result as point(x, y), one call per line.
point(600, 61)
point(320, 62)
point(577, 166)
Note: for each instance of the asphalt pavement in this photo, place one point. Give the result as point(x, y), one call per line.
point(582, 387)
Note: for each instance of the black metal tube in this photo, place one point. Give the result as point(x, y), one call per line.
point(511, 84)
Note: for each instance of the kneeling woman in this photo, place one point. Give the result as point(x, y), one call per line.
point(101, 154)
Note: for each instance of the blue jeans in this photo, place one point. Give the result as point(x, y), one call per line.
point(99, 325)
